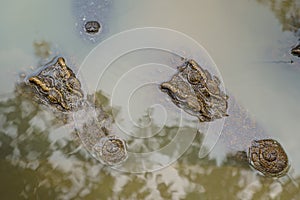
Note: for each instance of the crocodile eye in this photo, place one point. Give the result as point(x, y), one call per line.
point(54, 96)
point(194, 78)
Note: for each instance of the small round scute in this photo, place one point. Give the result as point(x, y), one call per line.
point(92, 27)
point(110, 150)
point(268, 157)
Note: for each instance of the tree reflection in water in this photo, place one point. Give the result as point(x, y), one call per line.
point(287, 12)
point(38, 162)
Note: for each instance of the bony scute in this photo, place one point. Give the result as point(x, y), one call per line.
point(268, 157)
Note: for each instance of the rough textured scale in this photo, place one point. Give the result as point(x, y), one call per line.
point(268, 157)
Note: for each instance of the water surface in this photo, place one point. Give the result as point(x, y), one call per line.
point(248, 40)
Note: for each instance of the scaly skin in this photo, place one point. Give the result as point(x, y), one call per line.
point(57, 87)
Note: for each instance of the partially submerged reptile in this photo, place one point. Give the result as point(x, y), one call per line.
point(56, 86)
point(192, 88)
point(197, 92)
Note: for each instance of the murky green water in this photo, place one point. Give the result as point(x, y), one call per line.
point(248, 40)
